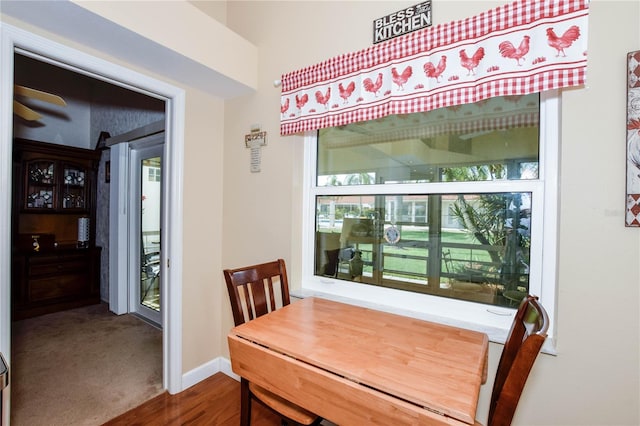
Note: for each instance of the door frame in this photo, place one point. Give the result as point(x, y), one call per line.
point(13, 39)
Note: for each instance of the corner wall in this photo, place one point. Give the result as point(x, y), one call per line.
point(594, 379)
point(201, 198)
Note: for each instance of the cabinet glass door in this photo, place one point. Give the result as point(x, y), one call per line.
point(73, 185)
point(40, 187)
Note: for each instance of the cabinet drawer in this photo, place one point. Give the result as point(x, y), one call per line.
point(57, 265)
point(53, 281)
point(57, 287)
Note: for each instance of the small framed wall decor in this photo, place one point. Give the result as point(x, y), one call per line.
point(632, 211)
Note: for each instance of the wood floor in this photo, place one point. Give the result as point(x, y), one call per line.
point(214, 401)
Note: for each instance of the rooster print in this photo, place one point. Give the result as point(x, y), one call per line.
point(471, 63)
point(433, 71)
point(372, 87)
point(508, 50)
point(301, 100)
point(324, 99)
point(564, 41)
point(401, 79)
point(284, 107)
point(345, 92)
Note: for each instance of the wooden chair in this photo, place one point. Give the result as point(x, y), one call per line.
point(252, 291)
point(528, 333)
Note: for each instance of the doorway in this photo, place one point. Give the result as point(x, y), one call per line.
point(99, 105)
point(16, 40)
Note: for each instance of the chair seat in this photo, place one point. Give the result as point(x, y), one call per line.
point(282, 406)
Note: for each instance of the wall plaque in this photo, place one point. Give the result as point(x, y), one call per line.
point(402, 22)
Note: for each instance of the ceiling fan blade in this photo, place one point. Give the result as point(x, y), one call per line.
point(24, 112)
point(38, 94)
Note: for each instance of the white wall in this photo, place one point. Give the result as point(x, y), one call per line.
point(594, 379)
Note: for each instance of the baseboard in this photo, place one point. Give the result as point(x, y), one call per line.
point(198, 374)
point(225, 365)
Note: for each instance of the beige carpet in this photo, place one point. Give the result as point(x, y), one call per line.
point(82, 367)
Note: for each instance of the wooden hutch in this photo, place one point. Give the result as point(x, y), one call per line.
point(55, 262)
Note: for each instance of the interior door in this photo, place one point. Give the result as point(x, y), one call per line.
point(145, 295)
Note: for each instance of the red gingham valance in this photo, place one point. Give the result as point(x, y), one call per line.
point(520, 48)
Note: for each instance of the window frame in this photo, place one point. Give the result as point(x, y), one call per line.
point(493, 320)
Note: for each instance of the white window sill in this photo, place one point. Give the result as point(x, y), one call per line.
point(491, 320)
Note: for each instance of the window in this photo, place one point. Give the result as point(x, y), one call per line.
point(455, 204)
point(153, 174)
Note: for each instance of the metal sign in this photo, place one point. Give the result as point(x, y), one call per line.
point(402, 22)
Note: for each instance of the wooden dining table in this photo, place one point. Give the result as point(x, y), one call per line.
point(354, 365)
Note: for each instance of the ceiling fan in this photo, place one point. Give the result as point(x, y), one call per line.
point(27, 113)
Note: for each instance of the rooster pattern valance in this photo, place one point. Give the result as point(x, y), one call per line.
point(523, 47)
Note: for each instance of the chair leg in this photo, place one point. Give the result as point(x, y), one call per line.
point(245, 403)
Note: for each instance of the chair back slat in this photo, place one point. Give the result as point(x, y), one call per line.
point(247, 301)
point(528, 333)
point(259, 298)
point(252, 289)
point(272, 298)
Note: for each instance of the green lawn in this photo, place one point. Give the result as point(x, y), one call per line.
point(413, 260)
